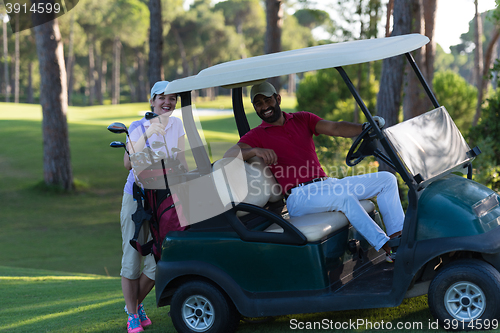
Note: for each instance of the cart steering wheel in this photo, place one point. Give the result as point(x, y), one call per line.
point(363, 146)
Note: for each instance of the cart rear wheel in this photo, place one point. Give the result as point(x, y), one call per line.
point(465, 296)
point(199, 307)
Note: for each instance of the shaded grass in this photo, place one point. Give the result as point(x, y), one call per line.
point(53, 301)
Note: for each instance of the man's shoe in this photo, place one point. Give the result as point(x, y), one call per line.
point(145, 321)
point(134, 324)
point(390, 257)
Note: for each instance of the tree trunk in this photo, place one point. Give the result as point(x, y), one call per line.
point(182, 51)
point(29, 98)
point(274, 24)
point(390, 8)
point(391, 81)
point(98, 81)
point(115, 84)
point(91, 69)
point(415, 99)
point(70, 62)
point(16, 63)
point(155, 70)
point(71, 79)
point(133, 90)
point(486, 67)
point(478, 62)
point(430, 8)
point(104, 70)
point(142, 92)
point(6, 63)
point(488, 57)
point(53, 99)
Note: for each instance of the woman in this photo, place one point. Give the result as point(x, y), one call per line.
point(165, 129)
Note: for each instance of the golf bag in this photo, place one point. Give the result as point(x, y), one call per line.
point(157, 207)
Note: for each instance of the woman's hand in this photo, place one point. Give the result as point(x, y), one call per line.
point(155, 128)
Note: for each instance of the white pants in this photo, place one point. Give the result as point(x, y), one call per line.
point(343, 195)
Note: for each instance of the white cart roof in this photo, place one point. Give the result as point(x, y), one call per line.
point(252, 70)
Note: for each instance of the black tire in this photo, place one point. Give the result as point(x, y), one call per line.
point(465, 296)
point(198, 306)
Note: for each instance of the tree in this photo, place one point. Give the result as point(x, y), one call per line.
point(5, 59)
point(71, 56)
point(155, 65)
point(91, 14)
point(486, 65)
point(132, 31)
point(295, 36)
point(430, 9)
point(274, 24)
point(485, 135)
point(248, 19)
point(75, 37)
point(478, 60)
point(311, 18)
point(16, 61)
point(364, 15)
point(416, 100)
point(391, 81)
point(458, 96)
point(201, 39)
point(53, 99)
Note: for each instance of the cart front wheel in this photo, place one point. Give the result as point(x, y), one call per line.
point(199, 307)
point(465, 296)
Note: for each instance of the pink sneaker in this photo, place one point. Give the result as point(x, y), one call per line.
point(134, 324)
point(145, 321)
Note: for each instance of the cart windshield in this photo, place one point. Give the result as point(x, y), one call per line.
point(430, 146)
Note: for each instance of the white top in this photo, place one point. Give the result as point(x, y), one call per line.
point(174, 130)
point(249, 71)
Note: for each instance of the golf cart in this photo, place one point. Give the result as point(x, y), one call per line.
point(243, 255)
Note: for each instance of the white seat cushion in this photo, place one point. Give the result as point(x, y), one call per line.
point(319, 225)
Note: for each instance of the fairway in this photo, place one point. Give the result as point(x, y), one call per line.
point(61, 252)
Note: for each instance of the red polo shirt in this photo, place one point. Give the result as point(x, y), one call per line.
point(293, 144)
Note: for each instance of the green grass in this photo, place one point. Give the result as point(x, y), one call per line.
point(54, 301)
point(61, 253)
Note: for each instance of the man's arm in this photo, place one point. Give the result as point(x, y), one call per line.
point(338, 128)
point(247, 152)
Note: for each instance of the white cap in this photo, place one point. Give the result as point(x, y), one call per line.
point(158, 89)
point(264, 88)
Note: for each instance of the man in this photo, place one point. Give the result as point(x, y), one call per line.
point(285, 143)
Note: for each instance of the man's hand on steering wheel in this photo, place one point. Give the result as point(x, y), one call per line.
point(363, 145)
point(378, 120)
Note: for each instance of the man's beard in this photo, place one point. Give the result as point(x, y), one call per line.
point(275, 116)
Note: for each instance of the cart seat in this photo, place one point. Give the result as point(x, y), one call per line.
point(252, 182)
point(319, 225)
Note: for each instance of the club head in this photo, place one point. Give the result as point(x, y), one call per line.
point(117, 128)
point(157, 144)
point(150, 115)
point(117, 144)
point(161, 154)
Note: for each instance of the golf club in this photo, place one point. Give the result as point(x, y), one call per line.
point(119, 144)
point(151, 115)
point(118, 128)
point(157, 144)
